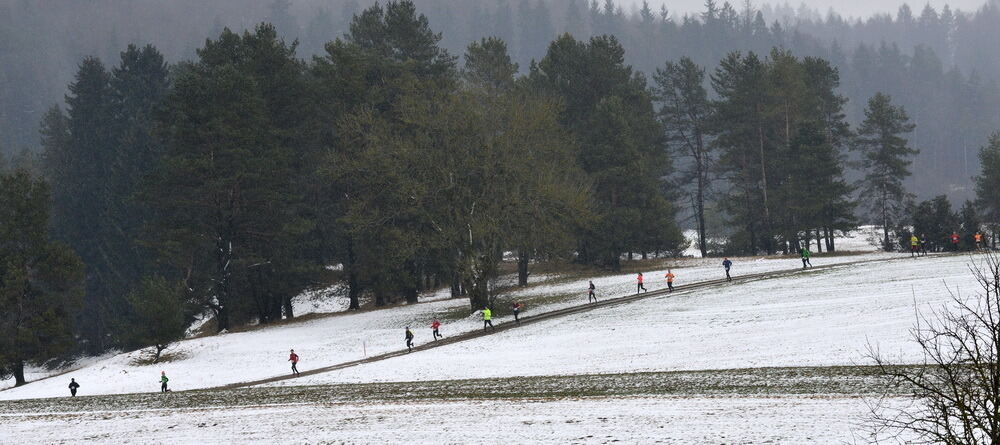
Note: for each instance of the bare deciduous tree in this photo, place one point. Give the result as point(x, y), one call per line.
point(956, 389)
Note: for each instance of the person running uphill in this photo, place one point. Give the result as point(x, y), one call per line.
point(591, 295)
point(727, 264)
point(639, 284)
point(805, 258)
point(72, 387)
point(914, 246)
point(954, 241)
point(979, 240)
point(517, 311)
point(435, 325)
point(294, 358)
point(487, 318)
point(670, 280)
point(163, 381)
point(409, 340)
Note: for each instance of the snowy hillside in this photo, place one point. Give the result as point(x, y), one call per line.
point(344, 336)
point(821, 318)
point(753, 321)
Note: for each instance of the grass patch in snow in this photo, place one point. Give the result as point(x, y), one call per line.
point(148, 357)
point(839, 380)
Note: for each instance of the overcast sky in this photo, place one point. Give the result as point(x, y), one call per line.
point(852, 8)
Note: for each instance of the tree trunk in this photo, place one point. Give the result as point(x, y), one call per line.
point(19, 372)
point(819, 242)
point(411, 292)
point(159, 351)
point(700, 202)
point(456, 285)
point(644, 255)
point(353, 290)
point(885, 225)
point(224, 258)
point(763, 176)
point(222, 318)
point(479, 295)
point(522, 267)
point(412, 295)
point(353, 283)
point(287, 306)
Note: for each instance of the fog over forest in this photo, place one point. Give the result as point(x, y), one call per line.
point(163, 162)
point(939, 63)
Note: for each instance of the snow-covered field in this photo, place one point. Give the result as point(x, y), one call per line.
point(676, 420)
point(822, 318)
point(237, 357)
point(814, 318)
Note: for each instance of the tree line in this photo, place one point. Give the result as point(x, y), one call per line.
point(231, 182)
point(939, 63)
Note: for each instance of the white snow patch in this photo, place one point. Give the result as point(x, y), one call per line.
point(824, 318)
point(243, 356)
point(680, 420)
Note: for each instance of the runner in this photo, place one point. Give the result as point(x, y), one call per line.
point(954, 241)
point(517, 310)
point(727, 264)
point(914, 246)
point(979, 240)
point(923, 244)
point(294, 358)
point(592, 295)
point(805, 258)
point(409, 340)
point(72, 387)
point(163, 381)
point(670, 280)
point(639, 284)
point(487, 318)
point(435, 325)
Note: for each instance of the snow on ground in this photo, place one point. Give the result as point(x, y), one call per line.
point(679, 420)
point(821, 318)
point(328, 340)
point(32, 373)
point(864, 239)
point(261, 353)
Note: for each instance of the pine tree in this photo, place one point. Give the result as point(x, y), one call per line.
point(885, 159)
point(397, 33)
point(81, 163)
point(223, 199)
point(970, 224)
point(41, 281)
point(743, 135)
point(610, 112)
point(686, 114)
point(988, 183)
point(95, 158)
point(934, 222)
point(155, 315)
point(488, 65)
point(390, 54)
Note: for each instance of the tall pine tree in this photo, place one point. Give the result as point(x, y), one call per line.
point(41, 281)
point(885, 157)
